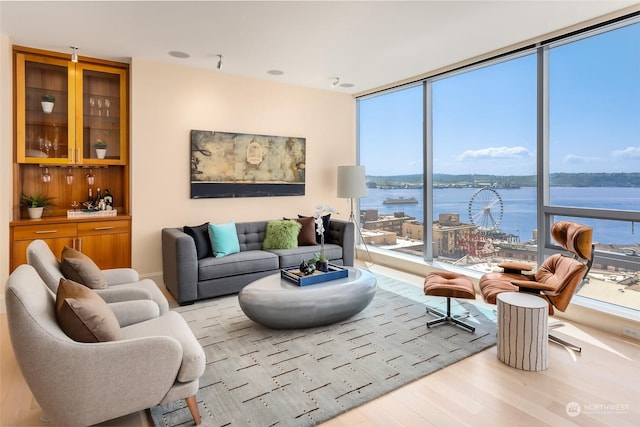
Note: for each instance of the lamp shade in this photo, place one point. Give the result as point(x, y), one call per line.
point(351, 182)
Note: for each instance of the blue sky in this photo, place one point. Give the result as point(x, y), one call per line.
point(485, 120)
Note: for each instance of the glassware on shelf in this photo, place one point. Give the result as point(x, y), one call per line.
point(47, 145)
point(56, 147)
point(107, 104)
point(99, 107)
point(92, 103)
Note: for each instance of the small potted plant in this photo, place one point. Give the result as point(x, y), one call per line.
point(47, 101)
point(36, 204)
point(101, 148)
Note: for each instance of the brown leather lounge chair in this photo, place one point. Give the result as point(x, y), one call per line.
point(557, 278)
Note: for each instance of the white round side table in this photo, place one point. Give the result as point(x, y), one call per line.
point(522, 331)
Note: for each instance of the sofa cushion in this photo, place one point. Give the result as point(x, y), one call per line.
point(200, 235)
point(83, 315)
point(281, 235)
point(307, 234)
point(236, 264)
point(224, 239)
point(81, 269)
point(325, 222)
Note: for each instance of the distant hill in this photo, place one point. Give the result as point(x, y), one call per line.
point(557, 180)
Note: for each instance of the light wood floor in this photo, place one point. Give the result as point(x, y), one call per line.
point(603, 383)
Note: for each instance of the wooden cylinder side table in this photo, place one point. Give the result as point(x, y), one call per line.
point(522, 331)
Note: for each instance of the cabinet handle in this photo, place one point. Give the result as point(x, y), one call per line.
point(46, 231)
point(103, 228)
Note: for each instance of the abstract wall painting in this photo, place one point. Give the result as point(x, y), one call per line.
point(225, 164)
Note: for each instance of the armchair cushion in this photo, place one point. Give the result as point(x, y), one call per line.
point(281, 235)
point(83, 315)
point(80, 268)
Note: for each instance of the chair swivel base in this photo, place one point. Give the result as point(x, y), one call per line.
point(447, 317)
point(564, 343)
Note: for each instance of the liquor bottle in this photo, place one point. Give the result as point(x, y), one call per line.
point(108, 198)
point(90, 199)
point(98, 195)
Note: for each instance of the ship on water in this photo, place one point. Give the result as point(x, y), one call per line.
point(399, 200)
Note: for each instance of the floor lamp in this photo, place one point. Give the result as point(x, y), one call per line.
point(352, 185)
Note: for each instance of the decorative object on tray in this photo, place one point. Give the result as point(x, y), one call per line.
point(320, 259)
point(47, 101)
point(298, 277)
point(36, 204)
point(101, 148)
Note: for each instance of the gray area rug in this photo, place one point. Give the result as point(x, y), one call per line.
point(263, 377)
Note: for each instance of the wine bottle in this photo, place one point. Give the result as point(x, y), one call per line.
point(108, 198)
point(90, 199)
point(98, 195)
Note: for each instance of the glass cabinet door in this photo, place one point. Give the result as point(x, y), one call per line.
point(44, 94)
point(101, 131)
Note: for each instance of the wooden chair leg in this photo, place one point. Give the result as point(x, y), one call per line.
point(192, 403)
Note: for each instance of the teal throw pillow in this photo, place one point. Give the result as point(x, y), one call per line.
point(281, 235)
point(224, 239)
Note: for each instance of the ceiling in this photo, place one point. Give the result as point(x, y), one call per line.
point(365, 43)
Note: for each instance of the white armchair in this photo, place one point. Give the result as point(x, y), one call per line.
point(129, 297)
point(155, 362)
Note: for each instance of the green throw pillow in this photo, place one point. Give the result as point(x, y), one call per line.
point(224, 239)
point(281, 235)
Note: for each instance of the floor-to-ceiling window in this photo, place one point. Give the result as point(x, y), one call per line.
point(509, 147)
point(390, 132)
point(593, 100)
point(484, 164)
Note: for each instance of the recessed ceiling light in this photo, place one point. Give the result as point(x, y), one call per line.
point(275, 72)
point(178, 54)
point(346, 84)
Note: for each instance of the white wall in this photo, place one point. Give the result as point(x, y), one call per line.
point(6, 158)
point(167, 101)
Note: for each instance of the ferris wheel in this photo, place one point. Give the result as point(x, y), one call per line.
point(486, 209)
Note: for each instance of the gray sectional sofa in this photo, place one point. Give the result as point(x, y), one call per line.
point(189, 278)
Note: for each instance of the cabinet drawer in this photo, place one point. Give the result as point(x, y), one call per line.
point(49, 231)
point(103, 227)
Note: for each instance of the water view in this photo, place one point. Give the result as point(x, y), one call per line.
point(519, 207)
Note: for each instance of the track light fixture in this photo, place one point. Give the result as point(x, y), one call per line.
point(219, 66)
point(74, 54)
point(335, 82)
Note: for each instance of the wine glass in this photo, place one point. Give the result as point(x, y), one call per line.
point(69, 178)
point(47, 146)
point(92, 103)
point(56, 146)
point(46, 176)
point(99, 106)
point(107, 104)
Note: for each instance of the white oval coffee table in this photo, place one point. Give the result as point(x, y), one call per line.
point(279, 304)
